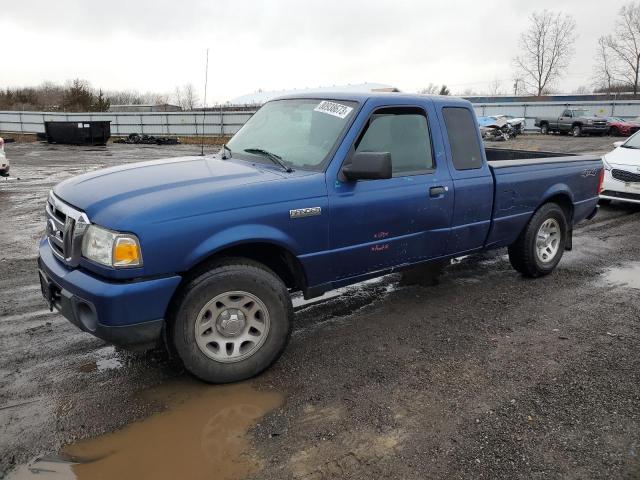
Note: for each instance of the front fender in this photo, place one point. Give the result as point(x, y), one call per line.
point(238, 235)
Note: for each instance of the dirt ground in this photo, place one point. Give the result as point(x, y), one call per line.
point(486, 375)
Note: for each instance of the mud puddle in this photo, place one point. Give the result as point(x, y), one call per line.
point(201, 435)
point(627, 276)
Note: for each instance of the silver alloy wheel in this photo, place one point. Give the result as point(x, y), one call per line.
point(548, 240)
point(232, 326)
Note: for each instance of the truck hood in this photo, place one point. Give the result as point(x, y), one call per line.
point(156, 186)
point(623, 156)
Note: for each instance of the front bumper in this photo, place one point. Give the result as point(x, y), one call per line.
point(595, 129)
point(618, 190)
point(123, 313)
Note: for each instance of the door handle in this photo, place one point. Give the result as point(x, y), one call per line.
point(437, 191)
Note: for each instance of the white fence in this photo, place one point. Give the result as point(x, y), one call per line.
point(228, 122)
point(214, 123)
point(628, 109)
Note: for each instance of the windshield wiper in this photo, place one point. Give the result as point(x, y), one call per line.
point(277, 159)
point(224, 150)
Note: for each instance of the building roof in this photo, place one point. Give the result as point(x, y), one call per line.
point(258, 98)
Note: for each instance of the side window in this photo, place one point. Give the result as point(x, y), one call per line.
point(404, 133)
point(567, 113)
point(463, 138)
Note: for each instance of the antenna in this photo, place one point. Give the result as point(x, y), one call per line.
point(204, 108)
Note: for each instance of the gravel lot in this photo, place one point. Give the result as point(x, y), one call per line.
point(486, 375)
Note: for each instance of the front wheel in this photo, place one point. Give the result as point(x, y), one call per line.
point(576, 130)
point(539, 248)
point(231, 322)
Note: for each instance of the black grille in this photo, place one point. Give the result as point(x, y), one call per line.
point(55, 229)
point(625, 176)
point(65, 227)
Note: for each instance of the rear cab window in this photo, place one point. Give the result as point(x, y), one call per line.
point(404, 133)
point(466, 151)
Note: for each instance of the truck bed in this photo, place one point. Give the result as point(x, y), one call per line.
point(522, 178)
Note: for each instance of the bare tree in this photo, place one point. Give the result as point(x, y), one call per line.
point(431, 89)
point(518, 85)
point(495, 88)
point(547, 46)
point(604, 68)
point(186, 97)
point(582, 90)
point(624, 45)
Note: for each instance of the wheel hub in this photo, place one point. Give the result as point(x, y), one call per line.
point(548, 240)
point(232, 326)
point(231, 322)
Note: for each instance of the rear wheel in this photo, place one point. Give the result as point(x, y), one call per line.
point(539, 248)
point(231, 322)
point(544, 129)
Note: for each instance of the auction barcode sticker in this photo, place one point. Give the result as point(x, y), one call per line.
point(332, 108)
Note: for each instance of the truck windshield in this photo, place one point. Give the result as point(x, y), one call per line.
point(301, 132)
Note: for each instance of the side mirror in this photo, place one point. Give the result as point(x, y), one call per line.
point(368, 166)
point(618, 143)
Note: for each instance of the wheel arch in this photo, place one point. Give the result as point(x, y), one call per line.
point(273, 255)
point(562, 196)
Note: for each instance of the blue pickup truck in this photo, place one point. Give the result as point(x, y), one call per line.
point(312, 194)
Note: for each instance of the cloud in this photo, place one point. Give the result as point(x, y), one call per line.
point(277, 44)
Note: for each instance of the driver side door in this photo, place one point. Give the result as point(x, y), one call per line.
point(377, 224)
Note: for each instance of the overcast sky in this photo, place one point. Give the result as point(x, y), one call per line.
point(281, 44)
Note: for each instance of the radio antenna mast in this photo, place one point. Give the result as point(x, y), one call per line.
point(204, 108)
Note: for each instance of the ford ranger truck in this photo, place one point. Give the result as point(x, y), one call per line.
point(312, 194)
point(575, 121)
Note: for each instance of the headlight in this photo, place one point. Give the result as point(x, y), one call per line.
point(111, 249)
point(589, 122)
point(606, 165)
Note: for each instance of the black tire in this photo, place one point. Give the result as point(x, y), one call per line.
point(613, 131)
point(576, 130)
point(544, 129)
point(230, 276)
point(523, 252)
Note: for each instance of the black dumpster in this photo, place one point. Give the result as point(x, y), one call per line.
point(78, 133)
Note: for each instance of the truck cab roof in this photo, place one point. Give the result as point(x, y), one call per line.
point(396, 97)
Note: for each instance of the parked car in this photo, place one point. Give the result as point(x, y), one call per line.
point(4, 161)
point(500, 127)
point(312, 194)
point(622, 172)
point(576, 121)
point(621, 127)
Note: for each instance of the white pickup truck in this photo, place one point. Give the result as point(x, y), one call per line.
point(4, 162)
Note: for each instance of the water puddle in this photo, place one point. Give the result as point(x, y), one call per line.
point(627, 276)
point(202, 435)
